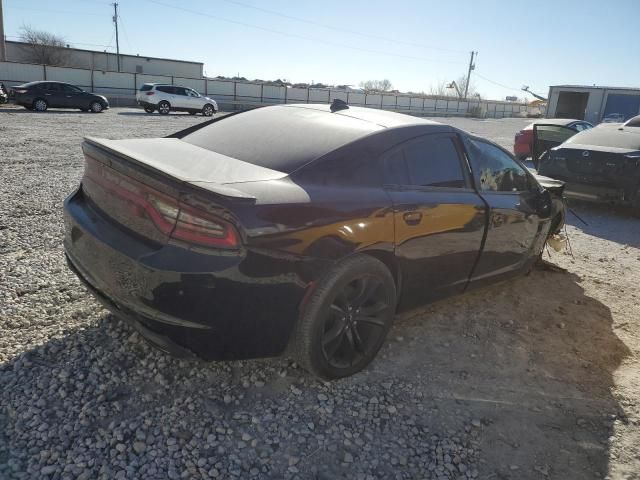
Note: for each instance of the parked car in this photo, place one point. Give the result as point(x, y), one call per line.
point(4, 94)
point(524, 138)
point(601, 164)
point(613, 118)
point(300, 226)
point(166, 98)
point(41, 95)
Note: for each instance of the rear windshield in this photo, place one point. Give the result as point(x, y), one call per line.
point(280, 138)
point(146, 87)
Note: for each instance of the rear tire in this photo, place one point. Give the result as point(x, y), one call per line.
point(164, 108)
point(149, 109)
point(346, 319)
point(192, 112)
point(40, 105)
point(208, 110)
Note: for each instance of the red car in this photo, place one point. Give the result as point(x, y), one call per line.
point(524, 138)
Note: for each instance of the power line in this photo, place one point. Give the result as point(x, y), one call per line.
point(340, 29)
point(293, 35)
point(496, 83)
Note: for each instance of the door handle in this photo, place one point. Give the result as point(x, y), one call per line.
point(412, 218)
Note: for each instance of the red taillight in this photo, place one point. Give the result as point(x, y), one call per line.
point(150, 93)
point(174, 219)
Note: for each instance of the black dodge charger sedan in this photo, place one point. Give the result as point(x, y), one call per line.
point(298, 228)
point(41, 95)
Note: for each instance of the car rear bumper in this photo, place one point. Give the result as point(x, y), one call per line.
point(521, 149)
point(144, 104)
point(217, 306)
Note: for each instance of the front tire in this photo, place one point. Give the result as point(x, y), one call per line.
point(95, 107)
point(346, 319)
point(208, 110)
point(164, 108)
point(40, 105)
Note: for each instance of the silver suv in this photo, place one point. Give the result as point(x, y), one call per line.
point(165, 98)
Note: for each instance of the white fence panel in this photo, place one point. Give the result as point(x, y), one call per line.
point(217, 88)
point(248, 91)
point(430, 104)
point(195, 83)
point(297, 95)
point(318, 96)
point(374, 100)
point(16, 73)
point(416, 103)
point(356, 98)
point(273, 93)
point(113, 82)
point(389, 101)
point(338, 94)
point(76, 76)
point(404, 102)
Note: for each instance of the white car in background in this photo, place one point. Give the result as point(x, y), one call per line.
point(166, 98)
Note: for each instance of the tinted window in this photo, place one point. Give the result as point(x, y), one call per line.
point(434, 162)
point(165, 89)
point(495, 170)
point(395, 169)
point(53, 87)
point(282, 138)
point(71, 89)
point(192, 93)
point(179, 90)
point(146, 87)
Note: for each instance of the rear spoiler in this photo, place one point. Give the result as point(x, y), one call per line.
point(178, 161)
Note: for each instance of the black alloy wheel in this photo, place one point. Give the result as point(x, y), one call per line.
point(346, 319)
point(149, 109)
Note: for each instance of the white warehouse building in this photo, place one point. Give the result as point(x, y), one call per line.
point(593, 104)
point(105, 61)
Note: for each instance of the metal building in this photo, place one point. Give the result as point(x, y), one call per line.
point(593, 104)
point(105, 61)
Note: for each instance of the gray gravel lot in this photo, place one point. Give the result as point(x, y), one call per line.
point(536, 378)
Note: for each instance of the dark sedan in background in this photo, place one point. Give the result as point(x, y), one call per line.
point(42, 95)
point(601, 164)
point(299, 228)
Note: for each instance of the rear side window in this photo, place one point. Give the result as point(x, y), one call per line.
point(146, 88)
point(165, 89)
point(495, 170)
point(431, 161)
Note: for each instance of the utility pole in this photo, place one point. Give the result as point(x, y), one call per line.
point(472, 66)
point(115, 21)
point(3, 48)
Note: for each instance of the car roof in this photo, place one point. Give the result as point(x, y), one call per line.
point(286, 137)
point(555, 121)
point(383, 118)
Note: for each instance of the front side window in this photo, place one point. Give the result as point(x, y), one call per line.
point(71, 89)
point(431, 161)
point(495, 170)
point(192, 93)
point(180, 91)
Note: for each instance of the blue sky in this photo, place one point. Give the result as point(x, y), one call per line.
point(416, 44)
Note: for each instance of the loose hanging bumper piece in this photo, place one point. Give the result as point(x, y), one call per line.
point(338, 105)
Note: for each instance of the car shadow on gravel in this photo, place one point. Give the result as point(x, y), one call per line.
point(48, 112)
point(611, 222)
point(532, 360)
point(512, 381)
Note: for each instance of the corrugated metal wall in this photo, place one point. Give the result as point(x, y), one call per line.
point(121, 88)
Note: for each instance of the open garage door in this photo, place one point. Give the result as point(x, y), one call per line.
point(572, 105)
point(621, 107)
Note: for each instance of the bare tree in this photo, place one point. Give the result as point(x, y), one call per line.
point(462, 83)
point(43, 47)
point(440, 90)
point(377, 85)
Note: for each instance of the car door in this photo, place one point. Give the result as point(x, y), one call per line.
point(194, 100)
point(519, 211)
point(53, 94)
point(73, 97)
point(180, 99)
point(439, 218)
point(547, 136)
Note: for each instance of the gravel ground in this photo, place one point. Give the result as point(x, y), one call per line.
point(535, 378)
